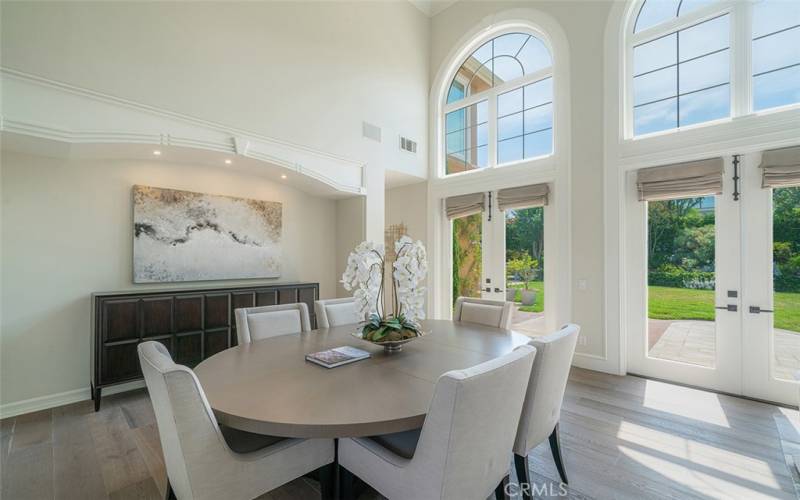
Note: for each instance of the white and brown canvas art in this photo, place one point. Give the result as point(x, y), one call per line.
point(185, 236)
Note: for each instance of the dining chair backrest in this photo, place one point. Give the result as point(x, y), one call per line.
point(189, 433)
point(548, 381)
point(496, 313)
point(335, 312)
point(257, 323)
point(470, 426)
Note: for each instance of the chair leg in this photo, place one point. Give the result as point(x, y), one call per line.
point(170, 493)
point(523, 476)
point(500, 491)
point(327, 483)
point(555, 447)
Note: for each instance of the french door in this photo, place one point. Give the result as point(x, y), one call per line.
point(500, 255)
point(703, 272)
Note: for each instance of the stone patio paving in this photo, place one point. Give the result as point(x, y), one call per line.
point(687, 341)
point(693, 342)
point(529, 323)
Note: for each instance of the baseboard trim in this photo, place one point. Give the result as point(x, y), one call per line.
point(594, 363)
point(60, 399)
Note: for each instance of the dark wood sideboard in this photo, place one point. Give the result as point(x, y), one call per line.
point(193, 323)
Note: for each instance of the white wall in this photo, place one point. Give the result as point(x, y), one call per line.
point(350, 231)
point(583, 22)
point(67, 232)
point(409, 205)
point(304, 72)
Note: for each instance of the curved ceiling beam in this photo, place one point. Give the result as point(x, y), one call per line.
point(46, 109)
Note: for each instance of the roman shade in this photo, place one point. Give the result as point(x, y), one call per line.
point(680, 180)
point(780, 167)
point(463, 205)
point(534, 195)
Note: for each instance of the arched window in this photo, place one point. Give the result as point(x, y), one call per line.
point(682, 54)
point(499, 106)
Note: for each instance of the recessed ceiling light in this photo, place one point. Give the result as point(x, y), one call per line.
point(283, 176)
point(157, 152)
point(228, 161)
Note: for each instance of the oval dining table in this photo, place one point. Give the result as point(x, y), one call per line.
point(268, 387)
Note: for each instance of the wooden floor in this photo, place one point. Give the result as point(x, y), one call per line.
point(623, 437)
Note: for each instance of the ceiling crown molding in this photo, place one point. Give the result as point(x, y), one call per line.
point(38, 107)
point(432, 7)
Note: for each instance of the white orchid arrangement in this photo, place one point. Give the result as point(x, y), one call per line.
point(364, 276)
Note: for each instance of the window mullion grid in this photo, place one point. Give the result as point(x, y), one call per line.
point(492, 126)
point(740, 57)
point(683, 22)
point(504, 87)
point(741, 36)
point(677, 79)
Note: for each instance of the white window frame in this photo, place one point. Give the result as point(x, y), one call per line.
point(741, 45)
point(490, 95)
point(744, 132)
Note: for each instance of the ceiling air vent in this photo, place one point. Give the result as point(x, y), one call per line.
point(371, 131)
point(407, 144)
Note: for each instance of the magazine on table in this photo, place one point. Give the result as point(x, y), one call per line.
point(337, 357)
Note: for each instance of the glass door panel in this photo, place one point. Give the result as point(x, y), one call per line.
point(467, 256)
point(771, 291)
point(684, 310)
point(681, 263)
point(524, 265)
point(786, 282)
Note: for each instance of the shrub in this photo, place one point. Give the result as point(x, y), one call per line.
point(673, 276)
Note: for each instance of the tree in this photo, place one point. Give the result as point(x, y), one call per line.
point(525, 233)
point(695, 247)
point(786, 238)
point(666, 220)
point(524, 266)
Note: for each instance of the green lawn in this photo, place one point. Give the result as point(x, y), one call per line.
point(685, 303)
point(538, 306)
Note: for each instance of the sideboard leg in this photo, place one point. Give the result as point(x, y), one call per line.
point(96, 398)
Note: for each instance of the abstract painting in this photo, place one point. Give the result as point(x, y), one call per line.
point(185, 236)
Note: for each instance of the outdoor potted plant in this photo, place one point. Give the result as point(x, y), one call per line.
point(524, 266)
point(365, 277)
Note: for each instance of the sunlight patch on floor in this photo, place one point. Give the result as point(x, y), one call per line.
point(693, 477)
point(679, 449)
point(695, 404)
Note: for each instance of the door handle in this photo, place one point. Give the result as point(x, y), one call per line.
point(497, 290)
point(729, 307)
point(758, 310)
point(488, 289)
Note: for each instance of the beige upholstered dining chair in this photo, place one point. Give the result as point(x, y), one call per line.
point(462, 449)
point(206, 461)
point(496, 313)
point(540, 414)
point(256, 323)
point(335, 312)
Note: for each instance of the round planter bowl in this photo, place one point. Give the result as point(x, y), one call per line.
point(528, 297)
point(389, 346)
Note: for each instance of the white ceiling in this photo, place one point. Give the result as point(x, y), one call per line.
point(432, 7)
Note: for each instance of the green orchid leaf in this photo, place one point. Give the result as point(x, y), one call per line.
point(378, 334)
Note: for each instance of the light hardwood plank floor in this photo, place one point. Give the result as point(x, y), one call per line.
point(623, 437)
